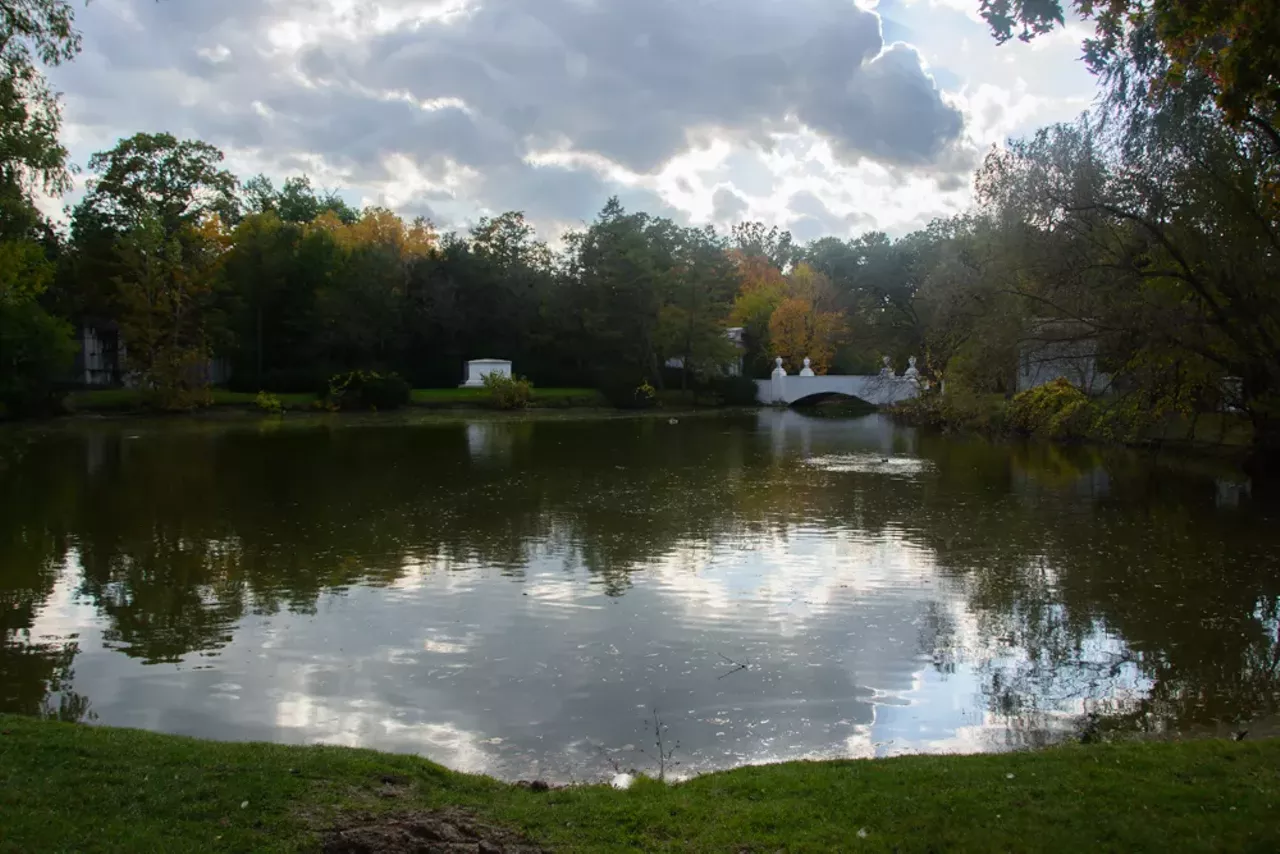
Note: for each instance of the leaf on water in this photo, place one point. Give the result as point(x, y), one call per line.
point(1008, 776)
point(862, 834)
point(244, 804)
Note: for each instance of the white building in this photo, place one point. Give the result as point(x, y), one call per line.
point(478, 369)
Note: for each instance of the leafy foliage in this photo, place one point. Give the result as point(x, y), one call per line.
point(164, 287)
point(31, 31)
point(624, 395)
point(735, 390)
point(1056, 410)
point(179, 183)
point(268, 403)
point(35, 351)
point(1234, 44)
point(508, 392)
point(370, 390)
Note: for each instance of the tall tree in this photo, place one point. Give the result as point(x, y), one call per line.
point(166, 284)
point(1167, 247)
point(753, 239)
point(157, 179)
point(31, 32)
point(762, 289)
point(697, 304)
point(807, 324)
point(618, 269)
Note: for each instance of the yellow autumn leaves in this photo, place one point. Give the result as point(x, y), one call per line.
point(795, 312)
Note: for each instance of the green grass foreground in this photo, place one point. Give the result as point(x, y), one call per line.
point(65, 787)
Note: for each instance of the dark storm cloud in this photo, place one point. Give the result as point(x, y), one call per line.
point(630, 81)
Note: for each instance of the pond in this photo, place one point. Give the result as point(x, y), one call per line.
point(519, 597)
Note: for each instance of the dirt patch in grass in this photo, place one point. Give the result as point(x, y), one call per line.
point(436, 832)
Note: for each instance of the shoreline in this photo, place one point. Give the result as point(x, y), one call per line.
point(93, 788)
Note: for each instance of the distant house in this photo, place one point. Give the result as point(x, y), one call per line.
point(100, 358)
point(732, 368)
point(99, 354)
point(1054, 350)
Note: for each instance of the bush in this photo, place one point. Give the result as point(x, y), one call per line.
point(735, 391)
point(268, 403)
point(1056, 410)
point(960, 410)
point(508, 392)
point(366, 390)
point(623, 395)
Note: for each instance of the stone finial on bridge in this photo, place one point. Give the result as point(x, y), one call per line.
point(911, 372)
point(806, 371)
point(778, 383)
point(887, 370)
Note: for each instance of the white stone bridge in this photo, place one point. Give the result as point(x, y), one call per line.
point(879, 389)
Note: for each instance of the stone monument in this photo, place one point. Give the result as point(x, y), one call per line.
point(478, 369)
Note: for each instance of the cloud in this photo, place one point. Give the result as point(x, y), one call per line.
point(633, 81)
point(468, 107)
point(727, 206)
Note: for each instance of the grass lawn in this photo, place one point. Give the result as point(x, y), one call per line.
point(480, 396)
point(65, 787)
point(127, 399)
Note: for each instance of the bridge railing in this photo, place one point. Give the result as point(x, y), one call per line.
point(880, 389)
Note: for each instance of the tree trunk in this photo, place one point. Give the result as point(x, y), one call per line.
point(258, 377)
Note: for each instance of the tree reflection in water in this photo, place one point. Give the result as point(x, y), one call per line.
point(1089, 584)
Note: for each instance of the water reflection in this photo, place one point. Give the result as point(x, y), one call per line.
point(515, 597)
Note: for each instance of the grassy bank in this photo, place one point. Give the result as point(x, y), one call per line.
point(130, 400)
point(551, 397)
point(1059, 412)
point(77, 788)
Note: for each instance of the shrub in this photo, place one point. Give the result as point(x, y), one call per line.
point(735, 391)
point(366, 390)
point(623, 395)
point(960, 410)
point(508, 392)
point(268, 403)
point(1056, 410)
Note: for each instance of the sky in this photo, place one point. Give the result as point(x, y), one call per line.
point(826, 117)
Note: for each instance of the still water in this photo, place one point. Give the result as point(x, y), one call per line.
point(517, 597)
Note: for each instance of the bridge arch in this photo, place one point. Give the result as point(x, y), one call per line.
point(876, 389)
point(819, 397)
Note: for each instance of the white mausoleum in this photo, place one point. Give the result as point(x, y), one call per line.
point(477, 369)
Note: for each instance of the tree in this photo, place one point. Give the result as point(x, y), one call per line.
point(165, 289)
point(31, 31)
point(617, 270)
point(774, 244)
point(1164, 246)
point(157, 179)
point(1234, 43)
point(762, 290)
point(296, 202)
point(806, 324)
point(35, 347)
point(256, 272)
point(691, 323)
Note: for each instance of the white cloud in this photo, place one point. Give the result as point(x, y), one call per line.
point(461, 109)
